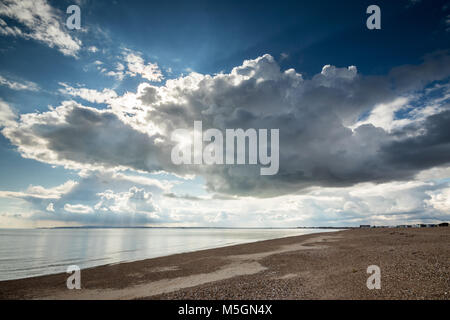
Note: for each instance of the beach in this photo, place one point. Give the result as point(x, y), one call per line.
point(414, 264)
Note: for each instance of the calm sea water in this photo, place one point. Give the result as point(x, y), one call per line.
point(34, 252)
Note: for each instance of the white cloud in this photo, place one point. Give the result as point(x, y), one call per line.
point(132, 64)
point(40, 22)
point(383, 115)
point(93, 49)
point(440, 199)
point(104, 96)
point(15, 85)
point(119, 75)
point(135, 200)
point(136, 66)
point(39, 192)
point(119, 72)
point(9, 31)
point(120, 67)
point(7, 116)
point(77, 208)
point(384, 204)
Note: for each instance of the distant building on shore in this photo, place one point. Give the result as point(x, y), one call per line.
point(367, 226)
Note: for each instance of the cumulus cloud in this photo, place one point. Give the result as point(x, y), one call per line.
point(135, 200)
point(337, 128)
point(38, 21)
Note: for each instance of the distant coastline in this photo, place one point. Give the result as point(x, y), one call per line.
point(420, 225)
point(146, 227)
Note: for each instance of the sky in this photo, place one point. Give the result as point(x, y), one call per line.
point(86, 115)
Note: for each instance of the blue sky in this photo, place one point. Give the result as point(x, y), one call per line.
point(125, 50)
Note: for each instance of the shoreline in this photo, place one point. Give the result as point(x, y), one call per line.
point(415, 264)
point(188, 250)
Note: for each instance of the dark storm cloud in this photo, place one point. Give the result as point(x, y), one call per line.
point(430, 149)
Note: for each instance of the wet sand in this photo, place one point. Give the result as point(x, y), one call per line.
point(414, 263)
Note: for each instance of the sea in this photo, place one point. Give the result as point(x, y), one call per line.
point(34, 252)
